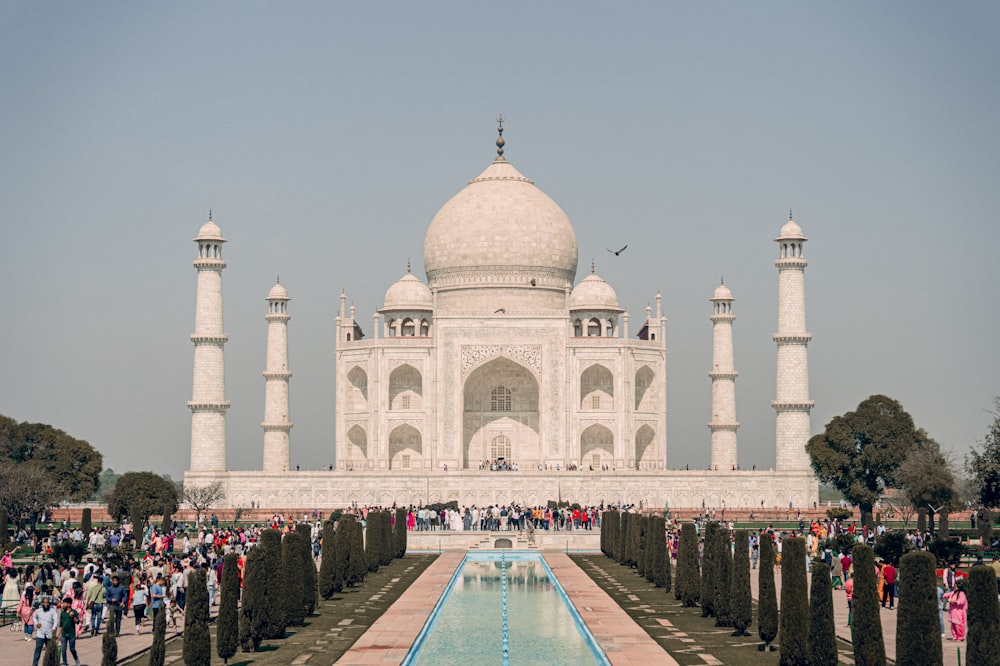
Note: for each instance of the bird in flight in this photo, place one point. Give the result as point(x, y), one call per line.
point(618, 252)
point(499, 311)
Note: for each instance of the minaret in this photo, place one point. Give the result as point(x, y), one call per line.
point(208, 403)
point(723, 424)
point(792, 404)
point(276, 424)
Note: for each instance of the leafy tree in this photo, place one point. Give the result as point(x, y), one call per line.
point(767, 605)
point(197, 641)
point(140, 495)
point(739, 593)
point(837, 513)
point(688, 575)
point(227, 624)
point(293, 591)
point(329, 584)
point(892, 545)
point(203, 498)
point(822, 630)
point(158, 651)
point(26, 490)
point(917, 626)
point(927, 478)
point(859, 453)
point(72, 464)
point(984, 618)
point(274, 613)
point(109, 646)
point(793, 630)
point(253, 611)
point(983, 467)
point(866, 626)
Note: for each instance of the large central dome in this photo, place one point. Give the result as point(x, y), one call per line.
point(500, 231)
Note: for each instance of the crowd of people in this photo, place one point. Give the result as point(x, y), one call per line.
point(503, 518)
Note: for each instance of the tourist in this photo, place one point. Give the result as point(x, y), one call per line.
point(957, 605)
point(11, 588)
point(889, 585)
point(140, 597)
point(45, 619)
point(26, 612)
point(849, 590)
point(94, 597)
point(117, 598)
point(69, 618)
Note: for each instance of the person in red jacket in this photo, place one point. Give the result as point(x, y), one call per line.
point(889, 588)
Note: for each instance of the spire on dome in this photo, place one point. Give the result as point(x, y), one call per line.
point(408, 267)
point(789, 214)
point(209, 214)
point(592, 269)
point(500, 141)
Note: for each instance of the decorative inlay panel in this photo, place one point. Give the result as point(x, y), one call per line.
point(529, 355)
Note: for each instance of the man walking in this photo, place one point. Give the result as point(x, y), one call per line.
point(46, 620)
point(889, 585)
point(67, 631)
point(117, 598)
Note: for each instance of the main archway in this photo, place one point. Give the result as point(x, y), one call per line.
point(500, 401)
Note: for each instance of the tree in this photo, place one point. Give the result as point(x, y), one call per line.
point(767, 605)
point(274, 606)
point(866, 625)
point(328, 580)
point(927, 479)
point(983, 466)
point(400, 527)
point(72, 464)
point(357, 564)
point(26, 490)
point(158, 651)
point(109, 646)
point(892, 545)
point(984, 618)
point(203, 498)
point(86, 522)
point(227, 633)
point(253, 612)
point(793, 630)
point(197, 640)
point(688, 575)
point(373, 540)
point(140, 495)
point(860, 452)
point(917, 625)
point(741, 603)
point(822, 629)
point(658, 571)
point(724, 580)
point(308, 568)
point(293, 591)
point(709, 569)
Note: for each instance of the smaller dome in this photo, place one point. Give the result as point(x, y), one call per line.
point(593, 293)
point(277, 293)
point(722, 293)
point(210, 231)
point(790, 231)
point(408, 293)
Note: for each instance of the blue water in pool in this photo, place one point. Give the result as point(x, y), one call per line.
point(466, 627)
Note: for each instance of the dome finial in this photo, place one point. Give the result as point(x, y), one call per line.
point(209, 214)
point(277, 280)
point(408, 269)
point(592, 271)
point(722, 280)
point(789, 214)
point(500, 141)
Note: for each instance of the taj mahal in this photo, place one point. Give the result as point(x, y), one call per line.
point(502, 360)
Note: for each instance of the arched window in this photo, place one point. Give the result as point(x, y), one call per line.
point(500, 447)
point(425, 328)
point(500, 399)
point(577, 329)
point(409, 329)
point(594, 328)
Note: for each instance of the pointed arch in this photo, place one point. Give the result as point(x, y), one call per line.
point(597, 447)
point(597, 389)
point(357, 392)
point(645, 393)
point(501, 398)
point(645, 448)
point(357, 448)
point(405, 388)
point(406, 448)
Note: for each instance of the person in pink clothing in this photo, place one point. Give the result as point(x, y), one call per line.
point(957, 605)
point(849, 589)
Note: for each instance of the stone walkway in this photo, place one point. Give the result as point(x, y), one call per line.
point(14, 650)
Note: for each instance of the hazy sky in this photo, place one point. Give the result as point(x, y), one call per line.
point(325, 136)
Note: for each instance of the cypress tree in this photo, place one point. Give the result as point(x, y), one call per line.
point(309, 575)
point(342, 551)
point(866, 626)
point(389, 551)
point(709, 569)
point(984, 618)
point(227, 624)
point(741, 601)
point(822, 629)
point(401, 533)
point(253, 611)
point(667, 573)
point(624, 534)
point(640, 540)
point(86, 523)
point(293, 592)
point(688, 576)
point(605, 525)
point(51, 657)
point(274, 605)
point(109, 645)
point(724, 582)
point(197, 641)
point(918, 624)
point(158, 651)
point(793, 630)
point(767, 604)
point(4, 532)
point(657, 570)
point(328, 583)
point(357, 564)
point(373, 541)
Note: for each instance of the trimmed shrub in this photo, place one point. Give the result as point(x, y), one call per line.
point(357, 563)
point(984, 618)
point(918, 624)
point(656, 566)
point(822, 628)
point(866, 625)
point(793, 630)
point(373, 541)
point(400, 527)
point(309, 575)
point(109, 645)
point(197, 641)
point(274, 604)
point(837, 513)
point(293, 592)
point(892, 545)
point(946, 550)
point(688, 575)
point(724, 579)
point(158, 651)
point(709, 570)
point(642, 529)
point(329, 582)
point(741, 603)
point(86, 523)
point(227, 635)
point(767, 604)
point(253, 612)
point(51, 657)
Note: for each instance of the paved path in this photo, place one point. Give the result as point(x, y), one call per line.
point(14, 650)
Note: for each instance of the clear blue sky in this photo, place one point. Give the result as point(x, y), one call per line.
point(325, 136)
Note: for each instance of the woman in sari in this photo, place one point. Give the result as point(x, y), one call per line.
point(958, 603)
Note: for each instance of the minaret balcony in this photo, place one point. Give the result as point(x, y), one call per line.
point(723, 317)
point(723, 375)
point(277, 316)
point(797, 406)
point(209, 264)
point(277, 374)
point(276, 427)
point(791, 263)
point(800, 339)
point(209, 339)
point(195, 405)
point(734, 426)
